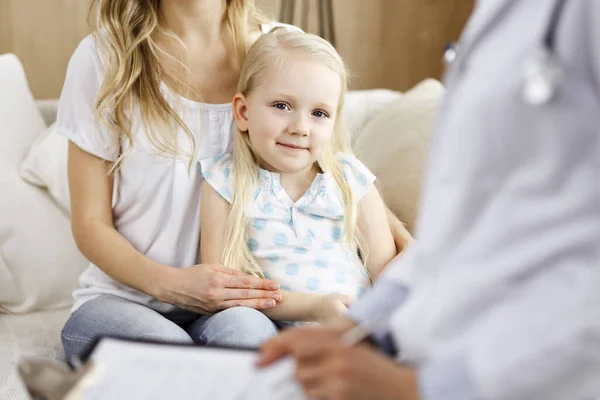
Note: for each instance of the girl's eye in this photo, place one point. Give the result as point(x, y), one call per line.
point(320, 114)
point(281, 106)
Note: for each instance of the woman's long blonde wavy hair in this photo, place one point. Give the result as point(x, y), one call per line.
point(125, 33)
point(269, 51)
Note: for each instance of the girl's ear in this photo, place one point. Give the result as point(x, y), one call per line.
point(240, 112)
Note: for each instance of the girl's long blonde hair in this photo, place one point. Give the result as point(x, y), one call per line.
point(271, 49)
point(125, 33)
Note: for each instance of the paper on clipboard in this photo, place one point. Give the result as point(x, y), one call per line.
point(133, 370)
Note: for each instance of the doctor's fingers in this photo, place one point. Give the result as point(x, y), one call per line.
point(326, 379)
point(229, 278)
point(305, 342)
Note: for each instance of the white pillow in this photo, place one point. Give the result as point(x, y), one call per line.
point(395, 145)
point(361, 105)
point(45, 165)
point(39, 262)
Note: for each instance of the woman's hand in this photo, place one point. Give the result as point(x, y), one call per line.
point(209, 288)
point(327, 369)
point(330, 308)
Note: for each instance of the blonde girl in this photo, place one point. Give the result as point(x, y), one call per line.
point(291, 202)
point(144, 97)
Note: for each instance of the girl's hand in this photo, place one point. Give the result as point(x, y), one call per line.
point(209, 288)
point(329, 308)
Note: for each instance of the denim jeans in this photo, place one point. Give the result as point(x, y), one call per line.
point(113, 316)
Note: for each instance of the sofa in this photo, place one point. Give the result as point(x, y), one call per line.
point(39, 261)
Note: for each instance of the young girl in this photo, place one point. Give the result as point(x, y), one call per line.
point(292, 203)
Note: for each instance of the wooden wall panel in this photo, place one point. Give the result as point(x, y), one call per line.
point(43, 34)
point(389, 43)
point(386, 43)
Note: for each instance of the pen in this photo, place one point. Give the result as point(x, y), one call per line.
point(362, 331)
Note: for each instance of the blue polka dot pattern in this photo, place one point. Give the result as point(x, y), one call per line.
point(336, 233)
point(359, 291)
point(340, 276)
point(362, 179)
point(292, 269)
point(280, 240)
point(321, 262)
point(307, 241)
point(260, 224)
point(286, 288)
point(273, 258)
point(316, 217)
point(207, 175)
point(227, 172)
point(300, 250)
point(327, 246)
point(252, 244)
point(268, 209)
point(313, 284)
point(267, 275)
point(218, 158)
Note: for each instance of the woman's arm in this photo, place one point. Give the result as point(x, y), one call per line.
point(373, 223)
point(91, 189)
point(202, 288)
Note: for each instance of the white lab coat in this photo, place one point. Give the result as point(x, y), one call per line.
point(506, 270)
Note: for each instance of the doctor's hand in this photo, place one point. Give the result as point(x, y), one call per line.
point(329, 370)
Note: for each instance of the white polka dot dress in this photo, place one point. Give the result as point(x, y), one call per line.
point(301, 245)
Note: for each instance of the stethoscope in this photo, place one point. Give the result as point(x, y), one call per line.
point(542, 71)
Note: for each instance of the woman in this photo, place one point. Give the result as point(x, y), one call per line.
point(143, 100)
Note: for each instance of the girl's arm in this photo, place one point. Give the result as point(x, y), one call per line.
point(373, 223)
point(402, 238)
point(297, 306)
point(214, 211)
point(294, 306)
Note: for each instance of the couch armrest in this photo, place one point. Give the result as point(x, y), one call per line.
point(48, 109)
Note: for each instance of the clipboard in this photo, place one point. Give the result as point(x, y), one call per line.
point(101, 372)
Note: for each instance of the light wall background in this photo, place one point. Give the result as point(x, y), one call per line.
point(386, 43)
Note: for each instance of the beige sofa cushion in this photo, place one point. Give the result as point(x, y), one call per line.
point(395, 144)
point(39, 262)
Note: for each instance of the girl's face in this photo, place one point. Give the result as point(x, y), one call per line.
point(290, 115)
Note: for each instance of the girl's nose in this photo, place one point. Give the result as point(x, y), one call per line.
point(299, 126)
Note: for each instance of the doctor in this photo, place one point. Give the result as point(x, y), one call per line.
point(500, 296)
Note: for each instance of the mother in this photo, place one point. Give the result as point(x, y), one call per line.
point(145, 98)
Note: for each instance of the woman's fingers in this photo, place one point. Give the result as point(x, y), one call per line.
point(258, 304)
point(243, 281)
point(249, 294)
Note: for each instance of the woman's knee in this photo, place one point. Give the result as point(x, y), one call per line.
point(115, 317)
point(238, 326)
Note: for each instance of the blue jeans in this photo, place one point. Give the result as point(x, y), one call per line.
point(113, 316)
